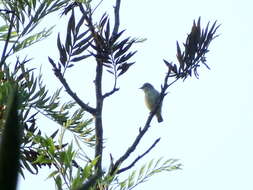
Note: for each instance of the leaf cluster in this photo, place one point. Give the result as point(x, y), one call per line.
point(148, 170)
point(113, 53)
point(21, 19)
point(97, 41)
point(34, 100)
point(28, 13)
point(76, 43)
point(195, 49)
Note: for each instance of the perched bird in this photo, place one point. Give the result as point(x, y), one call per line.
point(151, 99)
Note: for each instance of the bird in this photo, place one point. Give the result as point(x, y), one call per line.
point(152, 97)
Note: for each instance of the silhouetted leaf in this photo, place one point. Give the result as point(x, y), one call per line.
point(107, 31)
point(83, 42)
point(79, 37)
point(76, 59)
point(54, 134)
point(70, 31)
point(124, 67)
point(121, 44)
point(62, 51)
point(122, 50)
point(80, 50)
point(80, 23)
point(124, 58)
point(114, 38)
point(103, 21)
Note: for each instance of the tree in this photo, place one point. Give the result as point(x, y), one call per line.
point(105, 44)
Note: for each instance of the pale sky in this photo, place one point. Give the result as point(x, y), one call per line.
point(207, 122)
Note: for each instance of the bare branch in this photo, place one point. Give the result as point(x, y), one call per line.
point(116, 15)
point(110, 93)
point(132, 148)
point(98, 90)
point(139, 157)
point(84, 106)
point(97, 6)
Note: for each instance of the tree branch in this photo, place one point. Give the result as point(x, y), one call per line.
point(84, 106)
point(116, 18)
point(98, 116)
point(90, 182)
point(139, 157)
point(98, 90)
point(137, 140)
point(132, 148)
point(110, 93)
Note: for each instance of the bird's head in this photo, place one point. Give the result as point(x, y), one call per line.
point(146, 86)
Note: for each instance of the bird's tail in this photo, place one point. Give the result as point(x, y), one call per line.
point(159, 117)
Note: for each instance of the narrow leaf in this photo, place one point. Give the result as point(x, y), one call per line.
point(76, 59)
point(124, 67)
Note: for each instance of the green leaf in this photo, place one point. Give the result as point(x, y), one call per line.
point(31, 40)
point(52, 174)
point(4, 28)
point(58, 182)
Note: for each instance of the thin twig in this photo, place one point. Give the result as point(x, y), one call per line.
point(84, 106)
point(97, 6)
point(138, 158)
point(132, 148)
point(110, 93)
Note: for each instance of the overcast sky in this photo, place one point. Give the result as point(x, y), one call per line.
point(207, 122)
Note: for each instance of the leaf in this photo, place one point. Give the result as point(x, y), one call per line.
point(80, 50)
point(120, 45)
point(62, 51)
point(70, 31)
point(114, 38)
point(79, 37)
point(39, 11)
point(122, 50)
point(109, 71)
point(124, 58)
point(51, 61)
point(76, 59)
point(83, 42)
point(178, 50)
point(107, 31)
point(52, 174)
point(54, 134)
point(70, 65)
point(30, 40)
point(58, 182)
point(27, 166)
point(80, 23)
point(141, 171)
point(124, 67)
point(4, 28)
point(103, 21)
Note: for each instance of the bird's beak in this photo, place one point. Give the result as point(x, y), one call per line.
point(141, 87)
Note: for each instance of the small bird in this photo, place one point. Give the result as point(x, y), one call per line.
point(151, 99)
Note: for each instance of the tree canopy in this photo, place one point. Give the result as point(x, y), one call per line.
point(24, 96)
